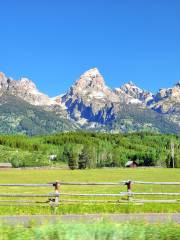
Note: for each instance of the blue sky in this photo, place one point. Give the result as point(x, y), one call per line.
point(54, 41)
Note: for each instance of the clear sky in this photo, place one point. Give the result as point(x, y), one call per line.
point(54, 41)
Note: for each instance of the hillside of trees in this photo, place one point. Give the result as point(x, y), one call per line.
point(30, 120)
point(82, 150)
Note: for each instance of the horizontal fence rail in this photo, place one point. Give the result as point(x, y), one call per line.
point(156, 183)
point(92, 183)
point(116, 195)
point(26, 185)
point(29, 195)
point(93, 194)
point(86, 183)
point(118, 183)
point(150, 193)
point(54, 198)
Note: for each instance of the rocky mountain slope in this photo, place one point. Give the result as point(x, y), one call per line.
point(23, 88)
point(130, 93)
point(167, 102)
point(89, 104)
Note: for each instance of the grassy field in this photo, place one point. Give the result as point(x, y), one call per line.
point(97, 175)
point(94, 231)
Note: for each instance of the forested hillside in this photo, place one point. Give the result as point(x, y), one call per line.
point(19, 117)
point(90, 150)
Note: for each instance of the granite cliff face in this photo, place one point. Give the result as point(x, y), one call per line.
point(91, 104)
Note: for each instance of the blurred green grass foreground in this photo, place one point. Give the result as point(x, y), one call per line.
point(92, 231)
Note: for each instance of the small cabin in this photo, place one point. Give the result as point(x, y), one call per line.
point(131, 164)
point(53, 157)
point(5, 165)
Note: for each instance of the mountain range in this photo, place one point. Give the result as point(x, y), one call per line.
point(89, 104)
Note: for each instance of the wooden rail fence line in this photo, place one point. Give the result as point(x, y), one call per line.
point(54, 198)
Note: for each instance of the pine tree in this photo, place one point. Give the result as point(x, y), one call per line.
point(72, 161)
point(83, 159)
point(71, 157)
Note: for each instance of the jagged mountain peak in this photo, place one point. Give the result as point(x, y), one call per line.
point(3, 79)
point(27, 83)
point(23, 88)
point(131, 93)
point(89, 98)
point(90, 79)
point(4, 82)
point(91, 84)
point(26, 80)
point(2, 75)
point(131, 86)
point(167, 101)
point(178, 84)
point(130, 83)
point(92, 72)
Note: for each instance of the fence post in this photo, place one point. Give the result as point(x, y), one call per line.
point(129, 189)
point(57, 187)
point(55, 202)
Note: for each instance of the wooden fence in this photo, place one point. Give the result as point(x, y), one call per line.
point(54, 199)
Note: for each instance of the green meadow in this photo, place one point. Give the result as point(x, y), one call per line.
point(90, 175)
point(94, 231)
